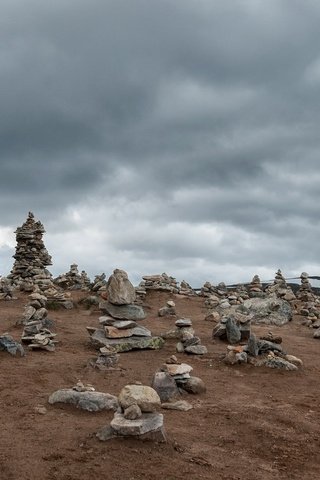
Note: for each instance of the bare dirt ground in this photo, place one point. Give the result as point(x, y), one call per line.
point(251, 424)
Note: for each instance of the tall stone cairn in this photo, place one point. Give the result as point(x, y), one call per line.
point(31, 257)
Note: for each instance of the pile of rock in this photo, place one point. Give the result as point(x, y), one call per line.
point(161, 282)
point(186, 289)
point(189, 343)
point(31, 257)
point(118, 330)
point(99, 283)
point(137, 416)
point(174, 379)
point(6, 290)
point(305, 292)
point(255, 287)
point(58, 298)
point(265, 351)
point(280, 288)
point(73, 280)
point(168, 310)
point(141, 293)
point(208, 289)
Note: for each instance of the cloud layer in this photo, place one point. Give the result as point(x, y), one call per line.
point(163, 136)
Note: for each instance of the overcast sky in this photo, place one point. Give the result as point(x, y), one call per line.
point(163, 135)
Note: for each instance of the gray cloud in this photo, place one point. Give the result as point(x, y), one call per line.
point(163, 136)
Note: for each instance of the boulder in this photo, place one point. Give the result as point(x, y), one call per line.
point(270, 311)
point(120, 290)
point(90, 401)
point(165, 386)
point(145, 397)
point(192, 385)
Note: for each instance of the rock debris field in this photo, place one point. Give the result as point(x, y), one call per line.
point(101, 379)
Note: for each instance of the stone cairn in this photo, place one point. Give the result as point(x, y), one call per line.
point(186, 289)
point(161, 282)
point(310, 305)
point(119, 331)
point(280, 288)
point(305, 292)
point(36, 332)
point(187, 341)
point(137, 416)
point(233, 328)
point(255, 287)
point(265, 351)
point(168, 310)
point(6, 290)
point(99, 283)
point(174, 379)
point(31, 257)
point(73, 280)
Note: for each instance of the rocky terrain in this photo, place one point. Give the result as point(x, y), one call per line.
point(251, 423)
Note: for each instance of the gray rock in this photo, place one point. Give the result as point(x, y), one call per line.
point(133, 412)
point(120, 290)
point(183, 322)
point(233, 331)
point(146, 423)
point(192, 385)
point(266, 346)
point(145, 397)
point(165, 386)
point(219, 331)
point(281, 363)
point(124, 324)
point(141, 332)
point(317, 333)
point(8, 344)
point(196, 349)
point(123, 312)
point(241, 357)
point(252, 346)
point(90, 401)
point(270, 311)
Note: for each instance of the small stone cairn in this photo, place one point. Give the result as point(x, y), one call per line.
point(174, 379)
point(137, 416)
point(161, 282)
point(280, 288)
point(189, 343)
point(255, 287)
point(305, 292)
point(265, 351)
point(186, 289)
point(73, 280)
point(118, 330)
point(168, 310)
point(36, 331)
point(6, 290)
point(99, 283)
point(233, 328)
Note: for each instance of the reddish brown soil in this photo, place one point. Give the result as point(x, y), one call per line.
point(252, 424)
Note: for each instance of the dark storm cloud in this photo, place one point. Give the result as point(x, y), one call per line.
point(192, 126)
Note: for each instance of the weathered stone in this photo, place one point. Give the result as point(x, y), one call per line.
point(124, 324)
point(145, 397)
point(192, 385)
point(165, 386)
point(174, 369)
point(233, 331)
point(112, 332)
point(133, 412)
point(271, 311)
point(277, 362)
point(213, 317)
point(123, 312)
point(120, 290)
point(252, 346)
point(196, 349)
point(8, 344)
point(90, 401)
point(219, 331)
point(183, 322)
point(181, 405)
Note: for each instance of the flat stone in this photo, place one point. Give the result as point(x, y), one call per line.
point(146, 423)
point(124, 324)
point(90, 401)
point(119, 345)
point(183, 322)
point(112, 332)
point(107, 320)
point(145, 397)
point(123, 312)
point(141, 332)
point(181, 405)
point(174, 369)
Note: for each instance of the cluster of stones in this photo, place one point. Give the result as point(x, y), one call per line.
point(208, 289)
point(36, 332)
point(137, 415)
point(118, 330)
point(265, 351)
point(161, 282)
point(31, 257)
point(233, 328)
point(186, 289)
point(280, 288)
point(305, 292)
point(73, 280)
point(174, 379)
point(189, 342)
point(6, 290)
point(255, 287)
point(99, 283)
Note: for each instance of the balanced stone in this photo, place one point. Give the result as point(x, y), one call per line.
point(145, 397)
point(123, 312)
point(120, 290)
